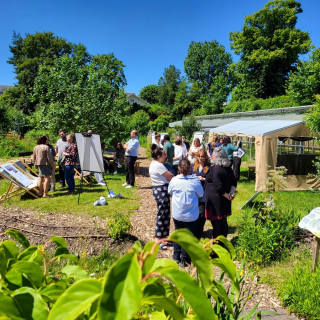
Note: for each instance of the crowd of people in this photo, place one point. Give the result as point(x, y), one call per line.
point(201, 182)
point(44, 157)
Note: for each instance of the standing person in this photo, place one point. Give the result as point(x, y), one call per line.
point(237, 163)
point(200, 169)
point(160, 177)
point(157, 139)
point(169, 149)
point(132, 149)
point(118, 157)
point(61, 146)
point(229, 148)
point(212, 145)
point(44, 162)
point(185, 190)
point(99, 175)
point(179, 153)
point(219, 192)
point(219, 143)
point(53, 175)
point(71, 155)
point(187, 144)
point(194, 149)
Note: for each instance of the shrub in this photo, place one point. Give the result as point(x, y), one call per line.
point(160, 124)
point(31, 137)
point(10, 146)
point(268, 238)
point(300, 291)
point(118, 225)
point(140, 121)
point(189, 126)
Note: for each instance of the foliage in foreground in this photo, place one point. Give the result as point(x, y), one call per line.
point(300, 291)
point(138, 286)
point(268, 237)
point(118, 224)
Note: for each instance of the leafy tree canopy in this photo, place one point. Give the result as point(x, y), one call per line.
point(312, 117)
point(150, 93)
point(269, 46)
point(140, 121)
point(78, 95)
point(304, 84)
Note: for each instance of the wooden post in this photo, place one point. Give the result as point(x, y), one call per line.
point(315, 258)
point(250, 145)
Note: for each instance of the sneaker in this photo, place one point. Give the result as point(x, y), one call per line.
point(125, 184)
point(107, 172)
point(128, 187)
point(115, 172)
point(101, 183)
point(61, 186)
point(119, 165)
point(53, 190)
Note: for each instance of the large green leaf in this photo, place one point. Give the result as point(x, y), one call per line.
point(68, 256)
point(167, 305)
point(75, 272)
point(122, 294)
point(76, 300)
point(3, 261)
point(218, 291)
point(61, 250)
point(32, 270)
point(9, 307)
point(52, 292)
point(197, 254)
point(10, 249)
point(154, 289)
point(228, 245)
point(163, 263)
point(31, 304)
point(191, 291)
point(59, 241)
point(156, 315)
point(19, 237)
point(31, 254)
point(149, 261)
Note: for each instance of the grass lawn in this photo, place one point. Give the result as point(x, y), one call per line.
point(62, 203)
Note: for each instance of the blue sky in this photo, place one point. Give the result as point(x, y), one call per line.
point(147, 35)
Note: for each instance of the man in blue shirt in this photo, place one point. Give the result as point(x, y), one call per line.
point(132, 149)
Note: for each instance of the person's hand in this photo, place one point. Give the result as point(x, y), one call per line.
point(238, 143)
point(231, 196)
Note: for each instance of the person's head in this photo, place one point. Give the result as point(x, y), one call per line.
point(157, 153)
point(220, 158)
point(103, 146)
point(226, 140)
point(214, 139)
point(119, 146)
point(178, 142)
point(48, 140)
point(90, 131)
point(133, 134)
point(62, 134)
point(183, 138)
point(204, 138)
point(221, 140)
point(201, 159)
point(157, 137)
point(166, 138)
point(70, 138)
point(42, 140)
point(184, 167)
point(196, 142)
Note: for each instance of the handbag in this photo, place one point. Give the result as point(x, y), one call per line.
point(239, 153)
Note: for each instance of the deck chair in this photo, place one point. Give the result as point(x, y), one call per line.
point(77, 175)
point(16, 188)
point(23, 168)
point(26, 167)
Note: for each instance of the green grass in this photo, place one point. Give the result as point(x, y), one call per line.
point(62, 203)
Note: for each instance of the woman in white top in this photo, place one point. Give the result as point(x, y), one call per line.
point(194, 149)
point(160, 178)
point(179, 153)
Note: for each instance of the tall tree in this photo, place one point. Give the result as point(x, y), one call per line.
point(28, 54)
point(304, 84)
point(169, 85)
point(150, 93)
point(207, 65)
point(269, 46)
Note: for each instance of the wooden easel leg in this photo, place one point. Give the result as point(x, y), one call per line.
point(315, 258)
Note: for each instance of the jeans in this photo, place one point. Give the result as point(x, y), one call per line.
point(69, 176)
point(179, 254)
point(169, 167)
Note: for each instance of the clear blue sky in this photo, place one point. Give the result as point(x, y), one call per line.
point(147, 35)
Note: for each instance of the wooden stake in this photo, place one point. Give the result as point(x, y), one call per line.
point(316, 248)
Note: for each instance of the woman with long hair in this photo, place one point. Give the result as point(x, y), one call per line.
point(229, 148)
point(160, 177)
point(71, 155)
point(212, 145)
point(219, 192)
point(118, 157)
point(44, 162)
point(200, 169)
point(185, 190)
point(194, 150)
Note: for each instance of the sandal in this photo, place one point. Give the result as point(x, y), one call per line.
point(163, 246)
point(40, 195)
point(46, 196)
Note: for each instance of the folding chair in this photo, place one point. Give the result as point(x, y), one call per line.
point(16, 188)
point(77, 175)
point(23, 168)
point(26, 167)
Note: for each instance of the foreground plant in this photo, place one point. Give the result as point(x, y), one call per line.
point(138, 286)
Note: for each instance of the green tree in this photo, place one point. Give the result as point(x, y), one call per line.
point(189, 126)
point(140, 121)
point(168, 85)
point(304, 84)
point(27, 55)
point(79, 95)
point(160, 124)
point(150, 93)
point(312, 117)
point(269, 46)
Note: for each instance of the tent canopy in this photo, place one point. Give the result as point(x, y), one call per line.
point(254, 128)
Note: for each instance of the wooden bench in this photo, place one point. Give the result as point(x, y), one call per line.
point(137, 166)
point(251, 168)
